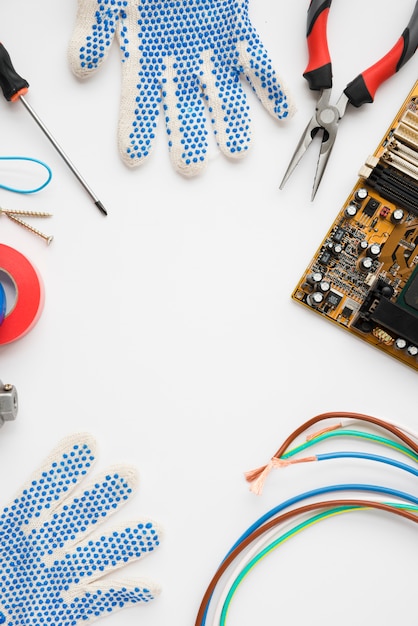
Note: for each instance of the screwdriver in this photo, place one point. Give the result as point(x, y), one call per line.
point(14, 88)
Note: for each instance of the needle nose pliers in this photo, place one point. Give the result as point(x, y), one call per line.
point(362, 89)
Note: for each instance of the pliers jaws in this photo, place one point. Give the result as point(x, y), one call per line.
point(325, 119)
point(362, 89)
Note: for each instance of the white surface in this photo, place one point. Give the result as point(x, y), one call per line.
point(168, 329)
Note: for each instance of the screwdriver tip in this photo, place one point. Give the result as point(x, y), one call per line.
point(101, 207)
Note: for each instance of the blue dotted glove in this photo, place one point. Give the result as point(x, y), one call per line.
point(183, 54)
point(51, 561)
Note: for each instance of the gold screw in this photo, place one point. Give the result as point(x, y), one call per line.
point(25, 213)
point(47, 238)
point(12, 215)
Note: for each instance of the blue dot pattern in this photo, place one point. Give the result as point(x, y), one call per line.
point(49, 562)
point(187, 55)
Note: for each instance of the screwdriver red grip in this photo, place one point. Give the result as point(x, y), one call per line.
point(12, 85)
point(318, 72)
point(363, 88)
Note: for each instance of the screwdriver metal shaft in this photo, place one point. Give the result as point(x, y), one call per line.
point(63, 155)
point(14, 88)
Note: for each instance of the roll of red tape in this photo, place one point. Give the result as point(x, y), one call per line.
point(29, 300)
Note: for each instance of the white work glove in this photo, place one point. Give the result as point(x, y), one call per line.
point(182, 54)
point(53, 556)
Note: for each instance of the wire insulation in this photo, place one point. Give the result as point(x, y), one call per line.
point(277, 543)
point(31, 160)
point(324, 505)
point(264, 535)
point(258, 476)
point(323, 436)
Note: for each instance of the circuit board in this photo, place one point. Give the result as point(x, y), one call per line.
point(364, 276)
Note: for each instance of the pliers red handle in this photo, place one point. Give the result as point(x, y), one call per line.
point(362, 89)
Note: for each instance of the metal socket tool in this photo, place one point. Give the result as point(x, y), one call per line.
point(8, 403)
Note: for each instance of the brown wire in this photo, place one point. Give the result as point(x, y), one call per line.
point(334, 415)
point(359, 416)
point(282, 518)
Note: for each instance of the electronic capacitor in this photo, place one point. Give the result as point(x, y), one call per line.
point(400, 343)
point(361, 194)
point(315, 299)
point(397, 216)
point(350, 211)
point(374, 250)
point(366, 264)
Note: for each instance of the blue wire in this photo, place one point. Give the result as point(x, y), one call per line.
point(309, 494)
point(317, 492)
point(38, 162)
point(370, 457)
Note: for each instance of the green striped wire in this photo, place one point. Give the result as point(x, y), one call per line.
point(352, 433)
point(280, 540)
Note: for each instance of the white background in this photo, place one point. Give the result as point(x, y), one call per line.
point(168, 330)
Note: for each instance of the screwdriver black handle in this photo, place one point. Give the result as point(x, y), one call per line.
point(14, 88)
point(13, 85)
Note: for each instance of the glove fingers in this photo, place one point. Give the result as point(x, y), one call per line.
point(101, 554)
point(228, 108)
point(186, 121)
point(139, 112)
point(259, 72)
point(184, 113)
point(85, 512)
point(54, 480)
point(94, 31)
point(97, 600)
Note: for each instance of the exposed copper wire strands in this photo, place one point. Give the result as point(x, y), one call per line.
point(265, 534)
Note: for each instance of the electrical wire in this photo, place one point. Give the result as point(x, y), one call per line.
point(31, 160)
point(258, 476)
point(350, 433)
point(263, 541)
point(321, 491)
point(232, 587)
point(399, 432)
point(360, 455)
point(263, 536)
point(324, 505)
point(407, 431)
point(260, 549)
point(295, 500)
